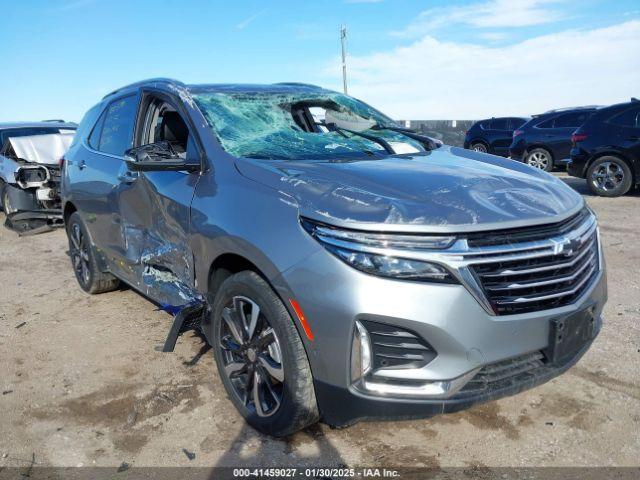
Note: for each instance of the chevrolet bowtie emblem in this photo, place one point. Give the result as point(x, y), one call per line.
point(569, 247)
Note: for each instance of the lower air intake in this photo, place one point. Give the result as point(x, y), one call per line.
point(395, 348)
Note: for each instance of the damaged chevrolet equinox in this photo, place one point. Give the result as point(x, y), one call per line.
point(342, 267)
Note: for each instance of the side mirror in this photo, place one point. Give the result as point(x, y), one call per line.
point(158, 157)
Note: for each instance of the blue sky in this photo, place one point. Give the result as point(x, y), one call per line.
point(412, 59)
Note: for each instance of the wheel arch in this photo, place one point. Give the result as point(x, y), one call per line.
point(68, 210)
point(229, 263)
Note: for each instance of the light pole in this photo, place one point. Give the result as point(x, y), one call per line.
point(343, 40)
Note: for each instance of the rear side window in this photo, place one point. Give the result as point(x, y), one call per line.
point(87, 122)
point(628, 118)
point(572, 120)
point(116, 134)
point(516, 123)
point(546, 123)
point(499, 124)
point(94, 138)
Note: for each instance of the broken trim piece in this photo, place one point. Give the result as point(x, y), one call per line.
point(32, 222)
point(192, 313)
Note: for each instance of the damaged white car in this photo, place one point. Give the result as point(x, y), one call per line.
point(30, 156)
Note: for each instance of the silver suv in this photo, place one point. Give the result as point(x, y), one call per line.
point(30, 154)
point(342, 267)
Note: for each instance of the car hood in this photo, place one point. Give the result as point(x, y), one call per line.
point(43, 149)
point(445, 190)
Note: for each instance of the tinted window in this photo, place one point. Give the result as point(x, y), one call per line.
point(484, 124)
point(546, 123)
point(94, 138)
point(517, 123)
point(573, 120)
point(628, 118)
point(499, 124)
point(86, 124)
point(117, 129)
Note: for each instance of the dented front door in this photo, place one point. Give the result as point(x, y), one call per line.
point(155, 213)
point(167, 260)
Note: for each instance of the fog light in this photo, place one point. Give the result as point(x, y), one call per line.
point(360, 353)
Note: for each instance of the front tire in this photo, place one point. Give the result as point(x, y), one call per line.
point(609, 176)
point(1, 195)
point(4, 199)
point(260, 357)
point(539, 158)
point(83, 259)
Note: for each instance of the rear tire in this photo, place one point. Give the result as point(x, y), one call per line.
point(539, 158)
point(609, 176)
point(479, 147)
point(260, 356)
point(83, 259)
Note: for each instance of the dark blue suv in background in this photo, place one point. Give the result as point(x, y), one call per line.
point(545, 141)
point(606, 150)
point(492, 135)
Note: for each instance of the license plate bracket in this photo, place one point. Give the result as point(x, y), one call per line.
point(568, 335)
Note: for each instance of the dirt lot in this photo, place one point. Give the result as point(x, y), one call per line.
point(82, 384)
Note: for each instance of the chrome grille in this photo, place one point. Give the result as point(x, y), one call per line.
point(542, 280)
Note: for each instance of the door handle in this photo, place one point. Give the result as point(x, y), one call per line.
point(128, 176)
point(634, 138)
point(82, 165)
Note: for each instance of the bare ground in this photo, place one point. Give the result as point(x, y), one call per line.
point(82, 384)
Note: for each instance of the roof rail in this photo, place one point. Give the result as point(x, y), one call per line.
point(566, 109)
point(299, 84)
point(144, 82)
point(58, 120)
point(634, 99)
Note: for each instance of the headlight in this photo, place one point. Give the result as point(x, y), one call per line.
point(351, 246)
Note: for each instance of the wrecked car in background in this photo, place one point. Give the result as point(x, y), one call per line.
point(340, 266)
point(30, 155)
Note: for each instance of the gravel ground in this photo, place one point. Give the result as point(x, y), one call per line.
point(82, 384)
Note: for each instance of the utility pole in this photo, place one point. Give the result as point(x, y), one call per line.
point(343, 40)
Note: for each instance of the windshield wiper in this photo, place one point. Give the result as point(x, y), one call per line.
point(427, 142)
point(383, 143)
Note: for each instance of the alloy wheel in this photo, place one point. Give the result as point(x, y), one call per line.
point(252, 356)
point(479, 147)
point(607, 176)
point(538, 160)
point(79, 253)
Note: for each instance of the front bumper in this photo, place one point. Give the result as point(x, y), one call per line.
point(466, 338)
point(341, 406)
point(27, 214)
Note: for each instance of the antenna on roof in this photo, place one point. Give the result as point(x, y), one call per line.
point(343, 41)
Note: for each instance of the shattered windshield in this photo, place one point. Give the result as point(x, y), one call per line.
point(295, 125)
